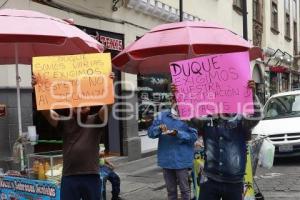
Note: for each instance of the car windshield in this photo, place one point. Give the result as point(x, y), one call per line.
point(282, 107)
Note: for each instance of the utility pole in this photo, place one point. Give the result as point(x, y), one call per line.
point(245, 20)
point(180, 11)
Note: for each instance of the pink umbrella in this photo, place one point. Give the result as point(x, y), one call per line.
point(37, 34)
point(167, 43)
point(25, 34)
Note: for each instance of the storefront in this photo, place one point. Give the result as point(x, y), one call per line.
point(295, 80)
point(153, 96)
point(285, 82)
point(257, 76)
point(112, 138)
point(279, 79)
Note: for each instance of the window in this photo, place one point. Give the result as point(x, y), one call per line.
point(238, 3)
point(287, 19)
point(274, 17)
point(295, 38)
point(287, 25)
point(237, 6)
point(294, 10)
point(257, 10)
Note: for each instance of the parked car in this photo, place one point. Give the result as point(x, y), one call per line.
point(281, 123)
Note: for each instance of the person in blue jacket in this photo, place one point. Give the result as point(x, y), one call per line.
point(175, 150)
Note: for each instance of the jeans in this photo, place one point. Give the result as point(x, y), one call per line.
point(212, 190)
point(180, 176)
point(77, 187)
point(113, 178)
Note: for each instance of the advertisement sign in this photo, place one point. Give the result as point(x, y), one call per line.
point(14, 188)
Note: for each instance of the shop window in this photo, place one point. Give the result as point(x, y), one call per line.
point(273, 83)
point(285, 82)
point(153, 97)
point(274, 17)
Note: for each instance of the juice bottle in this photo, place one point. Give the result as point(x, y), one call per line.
point(35, 168)
point(41, 172)
point(46, 168)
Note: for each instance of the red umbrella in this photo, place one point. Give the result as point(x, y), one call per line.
point(167, 43)
point(25, 34)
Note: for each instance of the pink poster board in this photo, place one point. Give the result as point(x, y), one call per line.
point(213, 84)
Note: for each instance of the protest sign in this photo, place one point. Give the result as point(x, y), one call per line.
point(73, 81)
point(213, 84)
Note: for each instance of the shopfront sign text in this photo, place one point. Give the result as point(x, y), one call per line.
point(22, 188)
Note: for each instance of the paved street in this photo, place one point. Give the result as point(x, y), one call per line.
point(282, 181)
point(142, 180)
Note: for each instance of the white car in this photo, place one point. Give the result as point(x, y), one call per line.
point(281, 123)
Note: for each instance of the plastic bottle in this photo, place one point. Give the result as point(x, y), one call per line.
point(46, 168)
point(35, 168)
point(41, 172)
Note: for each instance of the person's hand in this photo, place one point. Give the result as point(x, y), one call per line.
point(163, 127)
point(173, 133)
point(251, 84)
point(173, 88)
point(33, 81)
point(112, 75)
point(199, 144)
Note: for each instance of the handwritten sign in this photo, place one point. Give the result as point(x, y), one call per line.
point(73, 81)
point(213, 84)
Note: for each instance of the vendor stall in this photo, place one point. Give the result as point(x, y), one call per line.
point(18, 188)
point(41, 180)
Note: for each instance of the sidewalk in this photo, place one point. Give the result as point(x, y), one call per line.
point(140, 180)
point(143, 180)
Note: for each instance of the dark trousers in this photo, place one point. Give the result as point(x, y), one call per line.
point(113, 178)
point(77, 187)
point(212, 190)
point(180, 176)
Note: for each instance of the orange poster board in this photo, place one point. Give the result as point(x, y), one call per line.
point(73, 81)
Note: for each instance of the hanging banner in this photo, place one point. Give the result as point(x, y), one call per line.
point(248, 179)
point(213, 84)
point(198, 177)
point(73, 81)
point(24, 189)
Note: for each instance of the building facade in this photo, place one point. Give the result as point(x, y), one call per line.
point(272, 25)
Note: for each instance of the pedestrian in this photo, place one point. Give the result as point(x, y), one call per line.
point(80, 178)
point(175, 150)
point(107, 168)
point(225, 139)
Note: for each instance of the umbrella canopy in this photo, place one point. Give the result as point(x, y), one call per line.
point(172, 42)
point(38, 34)
point(25, 34)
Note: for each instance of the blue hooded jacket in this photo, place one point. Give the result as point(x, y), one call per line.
point(174, 152)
